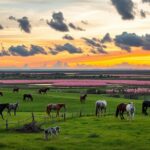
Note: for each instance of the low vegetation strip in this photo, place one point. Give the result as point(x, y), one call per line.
point(78, 83)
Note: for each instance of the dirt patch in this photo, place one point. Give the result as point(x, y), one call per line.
point(32, 127)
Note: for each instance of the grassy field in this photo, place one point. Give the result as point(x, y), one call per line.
point(77, 133)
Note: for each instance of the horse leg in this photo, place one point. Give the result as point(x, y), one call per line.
point(104, 111)
point(57, 114)
point(128, 115)
point(146, 111)
point(121, 114)
point(101, 112)
point(98, 112)
point(49, 113)
point(132, 116)
point(9, 112)
point(2, 116)
point(14, 112)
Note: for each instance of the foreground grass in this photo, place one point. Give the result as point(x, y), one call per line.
point(85, 133)
point(88, 133)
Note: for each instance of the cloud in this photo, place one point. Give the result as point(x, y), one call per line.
point(66, 47)
point(57, 22)
point(1, 27)
point(84, 22)
point(11, 18)
point(146, 42)
point(60, 65)
point(24, 24)
point(146, 1)
point(71, 25)
point(24, 51)
point(37, 50)
point(125, 8)
point(124, 47)
point(143, 13)
point(92, 42)
point(127, 40)
point(68, 37)
point(4, 53)
point(19, 50)
point(130, 39)
point(97, 46)
point(106, 38)
point(98, 50)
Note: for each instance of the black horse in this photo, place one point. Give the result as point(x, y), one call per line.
point(43, 90)
point(2, 107)
point(1, 93)
point(15, 89)
point(83, 98)
point(27, 97)
point(145, 106)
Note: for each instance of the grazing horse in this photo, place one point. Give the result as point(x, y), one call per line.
point(55, 107)
point(145, 106)
point(27, 97)
point(129, 108)
point(2, 107)
point(1, 93)
point(100, 107)
point(43, 90)
point(13, 106)
point(51, 131)
point(15, 89)
point(83, 98)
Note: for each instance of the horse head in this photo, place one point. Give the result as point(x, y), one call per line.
point(64, 106)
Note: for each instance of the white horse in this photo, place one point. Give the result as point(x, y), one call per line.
point(13, 106)
point(100, 107)
point(51, 131)
point(130, 108)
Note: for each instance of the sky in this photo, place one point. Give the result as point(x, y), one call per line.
point(75, 34)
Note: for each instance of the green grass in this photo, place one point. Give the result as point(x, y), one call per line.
point(88, 133)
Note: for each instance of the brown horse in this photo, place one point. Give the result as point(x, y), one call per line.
point(83, 98)
point(1, 93)
point(15, 89)
point(129, 108)
point(27, 97)
point(43, 90)
point(56, 107)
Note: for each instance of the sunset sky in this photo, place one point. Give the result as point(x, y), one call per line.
point(75, 34)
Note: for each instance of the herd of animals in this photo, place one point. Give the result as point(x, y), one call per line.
point(100, 108)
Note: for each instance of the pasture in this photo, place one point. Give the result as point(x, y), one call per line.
point(87, 132)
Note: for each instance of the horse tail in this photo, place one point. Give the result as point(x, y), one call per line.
point(143, 108)
point(96, 110)
point(117, 111)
